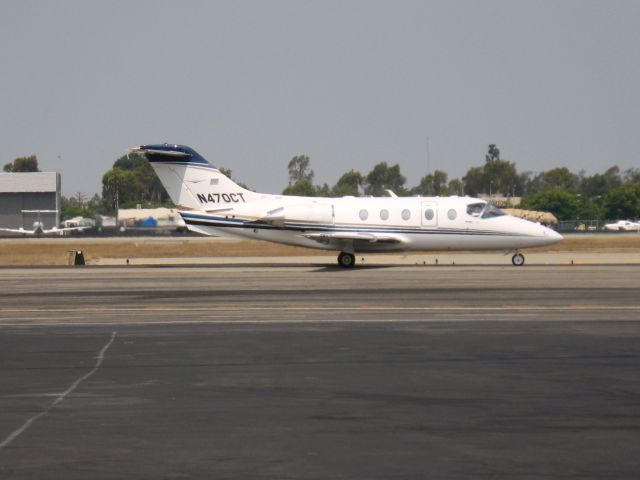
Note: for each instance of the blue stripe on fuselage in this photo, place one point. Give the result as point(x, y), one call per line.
point(216, 221)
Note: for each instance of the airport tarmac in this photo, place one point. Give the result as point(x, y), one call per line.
point(392, 259)
point(49, 251)
point(311, 371)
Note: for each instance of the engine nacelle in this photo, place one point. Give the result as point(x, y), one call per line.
point(310, 213)
point(314, 213)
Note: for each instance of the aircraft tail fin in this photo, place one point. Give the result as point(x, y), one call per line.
point(190, 180)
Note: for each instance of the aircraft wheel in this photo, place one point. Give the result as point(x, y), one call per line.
point(346, 260)
point(518, 259)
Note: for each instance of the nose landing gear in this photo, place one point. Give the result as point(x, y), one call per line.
point(346, 260)
point(517, 259)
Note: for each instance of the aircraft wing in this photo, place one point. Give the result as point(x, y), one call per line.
point(65, 229)
point(327, 238)
point(44, 232)
point(18, 230)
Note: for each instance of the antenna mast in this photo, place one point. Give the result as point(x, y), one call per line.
point(428, 157)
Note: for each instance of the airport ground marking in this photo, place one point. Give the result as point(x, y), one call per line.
point(61, 396)
point(223, 308)
point(217, 320)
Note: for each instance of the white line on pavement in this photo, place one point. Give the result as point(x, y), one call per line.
point(60, 397)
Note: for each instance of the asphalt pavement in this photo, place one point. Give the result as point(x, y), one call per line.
point(315, 372)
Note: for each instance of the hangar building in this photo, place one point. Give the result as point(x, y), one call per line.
point(21, 192)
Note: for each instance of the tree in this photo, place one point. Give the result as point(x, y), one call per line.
point(299, 169)
point(502, 176)
point(493, 153)
point(562, 203)
point(622, 202)
point(228, 173)
point(632, 175)
point(77, 207)
point(560, 178)
point(118, 188)
point(23, 164)
point(303, 188)
point(348, 184)
point(588, 209)
point(131, 161)
point(133, 181)
point(494, 176)
point(301, 179)
point(323, 190)
point(455, 187)
point(600, 184)
point(383, 177)
point(225, 171)
point(474, 181)
point(433, 184)
point(528, 182)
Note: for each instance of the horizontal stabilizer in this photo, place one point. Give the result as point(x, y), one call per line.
point(164, 153)
point(167, 153)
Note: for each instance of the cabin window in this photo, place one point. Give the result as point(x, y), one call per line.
point(364, 214)
point(452, 214)
point(429, 214)
point(406, 214)
point(492, 211)
point(475, 209)
point(384, 214)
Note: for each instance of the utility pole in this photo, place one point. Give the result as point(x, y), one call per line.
point(428, 157)
point(117, 206)
point(116, 199)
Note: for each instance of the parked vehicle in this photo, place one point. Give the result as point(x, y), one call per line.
point(623, 226)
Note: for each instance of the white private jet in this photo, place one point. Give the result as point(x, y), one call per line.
point(38, 226)
point(212, 204)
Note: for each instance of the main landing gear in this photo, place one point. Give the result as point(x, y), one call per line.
point(518, 259)
point(346, 260)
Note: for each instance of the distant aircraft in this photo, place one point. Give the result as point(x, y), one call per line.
point(38, 226)
point(212, 204)
point(623, 226)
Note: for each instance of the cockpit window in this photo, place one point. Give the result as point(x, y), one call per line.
point(475, 209)
point(483, 210)
point(492, 211)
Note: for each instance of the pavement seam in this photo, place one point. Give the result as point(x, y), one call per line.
point(60, 397)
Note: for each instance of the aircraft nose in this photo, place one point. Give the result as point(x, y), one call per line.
point(552, 235)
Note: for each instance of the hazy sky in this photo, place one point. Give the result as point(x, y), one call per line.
point(249, 84)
